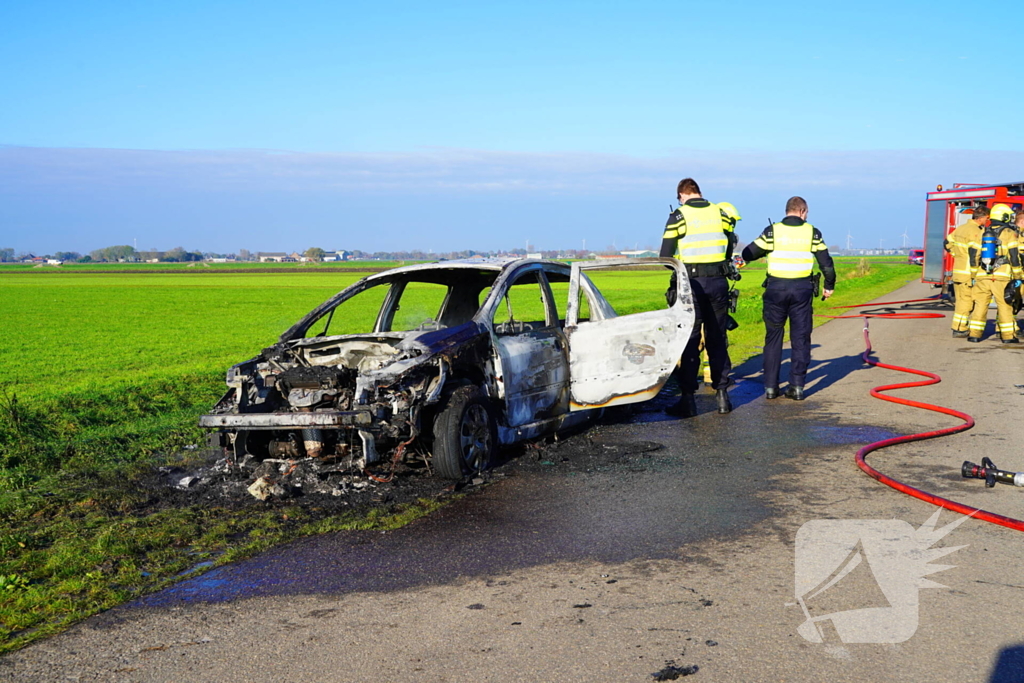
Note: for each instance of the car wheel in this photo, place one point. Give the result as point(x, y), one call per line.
point(465, 434)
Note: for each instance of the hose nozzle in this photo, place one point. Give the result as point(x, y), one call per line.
point(988, 471)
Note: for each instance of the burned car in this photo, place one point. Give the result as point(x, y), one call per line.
point(451, 360)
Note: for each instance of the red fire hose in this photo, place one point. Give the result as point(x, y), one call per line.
point(933, 378)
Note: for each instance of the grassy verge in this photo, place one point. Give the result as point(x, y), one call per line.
point(106, 375)
point(69, 560)
point(82, 528)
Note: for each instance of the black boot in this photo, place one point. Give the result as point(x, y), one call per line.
point(795, 393)
point(724, 405)
point(771, 392)
point(960, 334)
point(685, 407)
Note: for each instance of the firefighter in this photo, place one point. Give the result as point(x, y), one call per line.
point(732, 215)
point(959, 243)
point(704, 238)
point(996, 264)
point(1020, 241)
point(792, 246)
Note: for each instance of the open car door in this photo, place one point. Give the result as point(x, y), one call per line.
point(624, 343)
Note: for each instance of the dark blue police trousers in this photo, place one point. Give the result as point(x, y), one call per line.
point(711, 306)
point(787, 299)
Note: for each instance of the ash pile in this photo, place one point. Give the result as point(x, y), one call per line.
point(341, 478)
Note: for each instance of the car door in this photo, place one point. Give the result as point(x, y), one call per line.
point(532, 367)
point(620, 357)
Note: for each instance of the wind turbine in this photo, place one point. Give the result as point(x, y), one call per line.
point(905, 238)
point(849, 240)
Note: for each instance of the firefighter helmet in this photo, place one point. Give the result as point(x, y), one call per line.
point(730, 211)
point(1001, 212)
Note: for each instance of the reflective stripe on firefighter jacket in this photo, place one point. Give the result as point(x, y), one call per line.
point(1007, 263)
point(791, 246)
point(700, 230)
point(960, 242)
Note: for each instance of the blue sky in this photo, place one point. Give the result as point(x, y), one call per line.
point(393, 125)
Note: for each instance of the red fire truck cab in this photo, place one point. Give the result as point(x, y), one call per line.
point(948, 209)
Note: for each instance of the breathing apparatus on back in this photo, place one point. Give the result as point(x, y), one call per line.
point(989, 247)
point(1000, 218)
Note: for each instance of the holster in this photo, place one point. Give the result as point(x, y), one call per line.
point(734, 299)
point(816, 279)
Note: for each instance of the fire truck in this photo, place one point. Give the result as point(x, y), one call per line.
point(948, 209)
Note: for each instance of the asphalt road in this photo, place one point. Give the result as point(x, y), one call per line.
point(637, 546)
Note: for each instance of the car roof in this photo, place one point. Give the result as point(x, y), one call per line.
point(495, 264)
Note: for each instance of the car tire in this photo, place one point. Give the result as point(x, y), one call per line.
point(465, 434)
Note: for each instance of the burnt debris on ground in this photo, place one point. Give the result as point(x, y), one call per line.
point(307, 482)
point(672, 672)
point(340, 484)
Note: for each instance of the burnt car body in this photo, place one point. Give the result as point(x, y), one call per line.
point(452, 360)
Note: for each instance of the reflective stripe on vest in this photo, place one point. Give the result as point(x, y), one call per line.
point(705, 240)
point(791, 257)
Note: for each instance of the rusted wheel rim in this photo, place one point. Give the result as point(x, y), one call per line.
point(475, 436)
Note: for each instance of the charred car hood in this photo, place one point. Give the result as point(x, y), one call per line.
point(372, 356)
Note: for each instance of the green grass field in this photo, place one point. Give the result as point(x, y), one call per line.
point(105, 375)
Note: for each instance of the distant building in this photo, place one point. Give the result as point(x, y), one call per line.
point(879, 251)
point(639, 253)
point(272, 257)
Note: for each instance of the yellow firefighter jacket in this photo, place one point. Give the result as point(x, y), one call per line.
point(959, 243)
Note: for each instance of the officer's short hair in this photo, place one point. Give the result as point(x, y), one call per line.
point(687, 186)
point(795, 205)
point(980, 212)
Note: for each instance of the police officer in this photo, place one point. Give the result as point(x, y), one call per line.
point(792, 246)
point(996, 264)
point(959, 243)
point(704, 237)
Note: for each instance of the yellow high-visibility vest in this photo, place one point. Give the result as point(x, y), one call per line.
point(791, 250)
point(703, 238)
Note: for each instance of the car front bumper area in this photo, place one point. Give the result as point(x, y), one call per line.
point(288, 420)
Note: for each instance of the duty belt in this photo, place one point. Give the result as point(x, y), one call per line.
point(705, 269)
point(776, 278)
